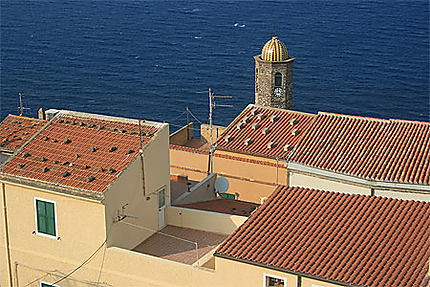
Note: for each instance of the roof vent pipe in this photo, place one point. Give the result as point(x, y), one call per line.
point(273, 119)
point(295, 132)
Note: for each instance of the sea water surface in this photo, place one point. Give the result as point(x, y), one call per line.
point(151, 59)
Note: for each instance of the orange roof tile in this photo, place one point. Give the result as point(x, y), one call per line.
point(265, 131)
point(354, 239)
point(228, 206)
point(16, 130)
point(79, 151)
point(386, 150)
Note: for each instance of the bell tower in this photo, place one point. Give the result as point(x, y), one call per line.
point(274, 76)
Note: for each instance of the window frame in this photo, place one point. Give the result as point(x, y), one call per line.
point(278, 75)
point(55, 218)
point(265, 275)
point(46, 283)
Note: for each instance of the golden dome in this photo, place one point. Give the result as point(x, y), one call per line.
point(274, 50)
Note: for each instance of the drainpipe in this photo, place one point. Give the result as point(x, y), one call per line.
point(6, 232)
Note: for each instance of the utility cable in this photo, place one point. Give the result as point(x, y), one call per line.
point(101, 267)
point(55, 273)
point(191, 113)
point(87, 260)
point(83, 263)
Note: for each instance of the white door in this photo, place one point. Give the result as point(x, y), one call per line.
point(161, 208)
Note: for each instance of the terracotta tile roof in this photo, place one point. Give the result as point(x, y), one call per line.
point(250, 160)
point(265, 131)
point(356, 239)
point(79, 151)
point(228, 206)
point(16, 130)
point(386, 150)
point(188, 149)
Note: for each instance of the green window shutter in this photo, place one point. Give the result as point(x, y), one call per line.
point(45, 217)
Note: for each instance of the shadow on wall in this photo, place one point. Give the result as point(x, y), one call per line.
point(202, 191)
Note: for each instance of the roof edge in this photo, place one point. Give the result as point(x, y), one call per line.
point(84, 193)
point(371, 118)
point(282, 110)
point(112, 118)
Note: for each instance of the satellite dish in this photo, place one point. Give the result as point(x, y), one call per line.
point(221, 184)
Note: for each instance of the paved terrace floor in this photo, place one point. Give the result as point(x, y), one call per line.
point(168, 245)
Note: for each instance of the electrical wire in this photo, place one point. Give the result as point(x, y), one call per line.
point(82, 264)
point(37, 279)
point(55, 273)
point(195, 117)
point(101, 267)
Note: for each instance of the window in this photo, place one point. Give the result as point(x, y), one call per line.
point(278, 80)
point(44, 284)
point(46, 221)
point(274, 281)
point(162, 198)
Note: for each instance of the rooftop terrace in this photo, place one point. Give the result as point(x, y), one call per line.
point(184, 245)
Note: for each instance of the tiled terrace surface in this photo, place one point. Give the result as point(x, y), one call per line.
point(166, 244)
point(355, 239)
point(16, 130)
point(227, 206)
point(376, 149)
point(265, 132)
point(83, 152)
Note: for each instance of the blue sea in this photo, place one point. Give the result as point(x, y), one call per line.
point(152, 59)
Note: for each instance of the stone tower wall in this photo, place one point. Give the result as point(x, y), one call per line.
point(265, 82)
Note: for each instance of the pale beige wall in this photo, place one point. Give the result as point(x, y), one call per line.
point(403, 194)
point(302, 180)
point(204, 220)
point(312, 181)
point(127, 191)
point(307, 282)
point(80, 224)
point(202, 191)
point(181, 136)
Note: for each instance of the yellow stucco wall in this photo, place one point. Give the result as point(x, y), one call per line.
point(127, 192)
point(80, 228)
point(250, 181)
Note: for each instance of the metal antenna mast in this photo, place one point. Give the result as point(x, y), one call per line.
point(21, 107)
point(212, 106)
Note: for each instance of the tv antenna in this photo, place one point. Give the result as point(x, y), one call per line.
point(121, 215)
point(212, 106)
point(21, 107)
